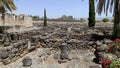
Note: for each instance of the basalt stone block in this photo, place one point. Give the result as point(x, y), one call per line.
point(4, 37)
point(32, 48)
point(107, 41)
point(7, 43)
point(102, 48)
point(15, 50)
point(11, 55)
point(99, 56)
point(6, 61)
point(27, 61)
point(16, 45)
point(98, 43)
point(9, 48)
point(25, 46)
point(33, 39)
point(13, 36)
point(19, 43)
point(57, 56)
point(64, 52)
point(4, 54)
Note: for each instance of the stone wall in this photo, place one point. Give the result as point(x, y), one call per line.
point(12, 20)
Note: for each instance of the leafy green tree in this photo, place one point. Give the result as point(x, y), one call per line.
point(82, 20)
point(70, 18)
point(91, 22)
point(45, 18)
point(35, 18)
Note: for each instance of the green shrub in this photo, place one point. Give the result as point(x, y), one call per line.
point(105, 20)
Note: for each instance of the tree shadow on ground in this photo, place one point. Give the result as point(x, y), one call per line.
point(96, 37)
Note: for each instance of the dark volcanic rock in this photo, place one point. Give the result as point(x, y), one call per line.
point(57, 56)
point(27, 61)
point(32, 48)
point(102, 48)
point(4, 54)
point(6, 61)
point(64, 51)
point(19, 43)
point(15, 50)
point(9, 48)
point(7, 43)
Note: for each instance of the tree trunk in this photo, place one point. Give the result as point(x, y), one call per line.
point(91, 22)
point(116, 12)
point(116, 28)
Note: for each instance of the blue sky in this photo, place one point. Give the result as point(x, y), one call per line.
point(55, 8)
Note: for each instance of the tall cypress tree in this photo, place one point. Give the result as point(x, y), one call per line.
point(45, 18)
point(91, 22)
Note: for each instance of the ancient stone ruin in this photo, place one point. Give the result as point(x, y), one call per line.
point(69, 44)
point(13, 20)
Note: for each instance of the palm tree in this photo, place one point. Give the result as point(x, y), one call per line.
point(113, 5)
point(6, 4)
